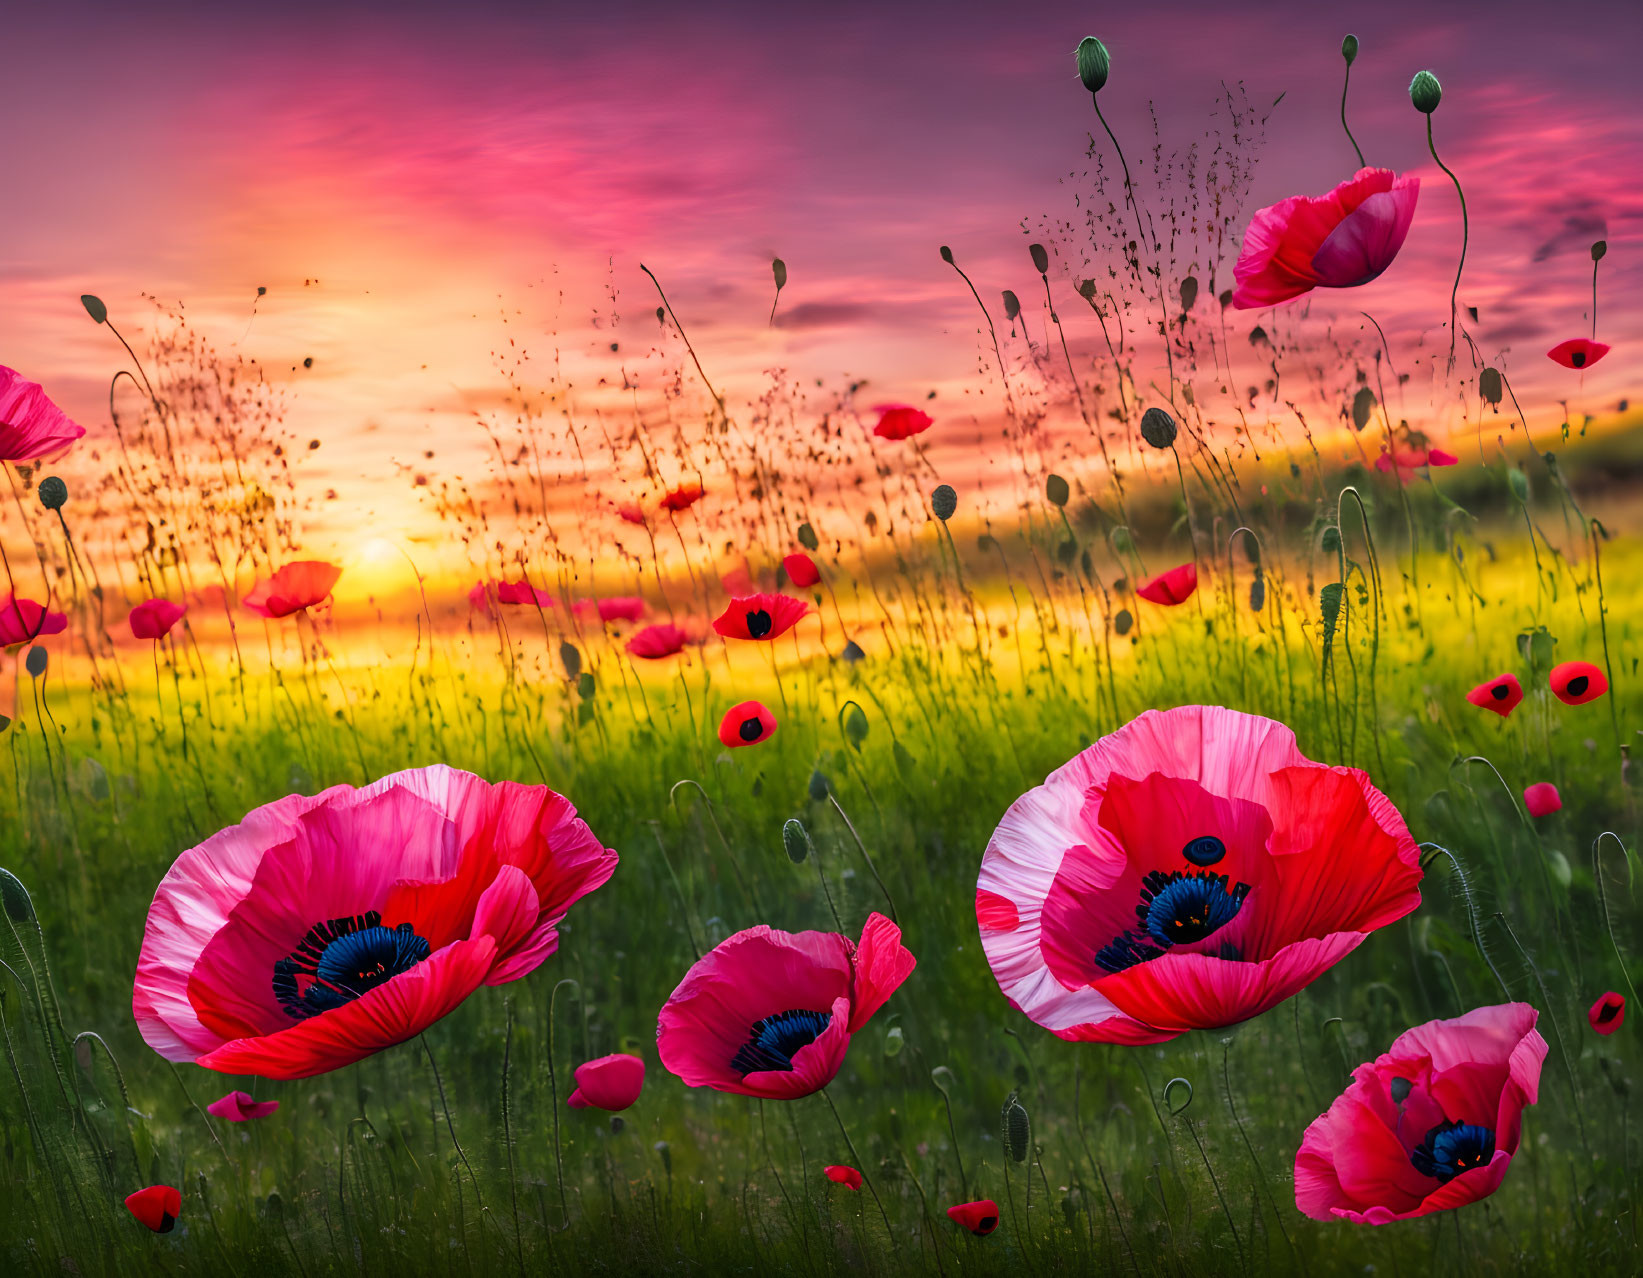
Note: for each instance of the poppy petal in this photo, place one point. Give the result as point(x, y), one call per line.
point(1577, 682)
point(1502, 694)
point(156, 1207)
point(1608, 1013)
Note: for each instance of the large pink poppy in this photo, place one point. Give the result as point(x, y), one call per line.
point(154, 618)
point(294, 587)
point(769, 1013)
point(31, 426)
point(1187, 872)
point(325, 928)
point(1339, 240)
point(621, 608)
point(24, 621)
point(1430, 1126)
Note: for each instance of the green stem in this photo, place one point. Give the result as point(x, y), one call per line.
point(1465, 234)
point(1344, 86)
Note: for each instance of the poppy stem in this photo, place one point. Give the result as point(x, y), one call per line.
point(833, 799)
point(952, 1129)
point(553, 1101)
point(855, 1160)
point(1346, 84)
point(507, 1138)
point(1593, 528)
point(450, 1127)
point(1603, 902)
point(1465, 234)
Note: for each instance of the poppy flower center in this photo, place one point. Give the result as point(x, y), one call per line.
point(340, 959)
point(1608, 1012)
point(1577, 686)
point(1178, 908)
point(750, 730)
point(758, 624)
point(1500, 692)
point(1578, 359)
point(1451, 1148)
point(774, 1041)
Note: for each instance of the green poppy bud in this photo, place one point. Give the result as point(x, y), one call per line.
point(944, 501)
point(1093, 63)
point(1599, 248)
point(1425, 92)
point(1349, 49)
point(1158, 428)
point(1489, 385)
point(94, 307)
point(796, 841)
point(947, 255)
point(1056, 490)
point(53, 492)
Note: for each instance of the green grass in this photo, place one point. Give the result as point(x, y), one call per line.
point(358, 1172)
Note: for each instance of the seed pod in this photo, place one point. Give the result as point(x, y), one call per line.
point(1349, 49)
point(1599, 248)
point(35, 662)
point(1363, 404)
point(1123, 621)
point(1158, 428)
point(1012, 305)
point(1489, 385)
point(1018, 1131)
point(944, 501)
point(778, 268)
point(94, 307)
point(1055, 488)
point(1425, 92)
point(819, 785)
point(947, 255)
point(1257, 593)
point(855, 726)
point(1094, 62)
point(1189, 292)
point(1041, 259)
point(53, 492)
point(796, 840)
point(571, 659)
point(808, 538)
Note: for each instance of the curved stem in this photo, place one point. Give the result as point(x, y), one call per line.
point(1344, 86)
point(1465, 234)
point(855, 1160)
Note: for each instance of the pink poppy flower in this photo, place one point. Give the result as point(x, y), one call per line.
point(31, 426)
point(1542, 799)
point(514, 593)
point(769, 1013)
point(1578, 353)
point(293, 588)
point(24, 621)
point(612, 1083)
point(1339, 240)
point(631, 512)
point(1430, 1126)
point(1172, 587)
point(1607, 1014)
point(154, 618)
point(156, 1207)
point(621, 608)
point(763, 616)
point(979, 1217)
point(655, 642)
point(325, 928)
point(839, 1174)
point(801, 569)
point(1189, 871)
point(900, 421)
point(1408, 460)
point(239, 1107)
point(683, 497)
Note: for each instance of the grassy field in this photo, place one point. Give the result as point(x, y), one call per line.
point(455, 1154)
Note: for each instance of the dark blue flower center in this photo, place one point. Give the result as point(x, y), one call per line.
point(751, 729)
point(1204, 850)
point(774, 1041)
point(340, 959)
point(1177, 908)
point(758, 623)
point(1452, 1148)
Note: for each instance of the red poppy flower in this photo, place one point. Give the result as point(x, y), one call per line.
point(1500, 694)
point(655, 642)
point(621, 608)
point(801, 569)
point(31, 426)
point(1172, 587)
point(769, 1013)
point(293, 588)
point(1607, 1014)
point(157, 1207)
point(1577, 682)
point(1339, 240)
point(239, 1107)
point(746, 724)
point(900, 421)
point(980, 1217)
point(325, 928)
point(849, 1177)
point(1578, 352)
point(683, 497)
point(24, 621)
point(1430, 1126)
point(154, 618)
point(610, 1083)
point(513, 593)
point(631, 512)
point(1189, 871)
point(1542, 799)
point(761, 616)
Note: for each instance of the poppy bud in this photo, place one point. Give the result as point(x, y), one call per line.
point(1041, 259)
point(1519, 483)
point(53, 492)
point(1349, 49)
point(947, 255)
point(1086, 290)
point(1158, 428)
point(571, 658)
point(1489, 385)
point(35, 662)
point(944, 501)
point(778, 268)
point(1056, 490)
point(1012, 305)
point(1017, 1130)
point(807, 537)
point(94, 307)
point(1599, 248)
point(1189, 292)
point(819, 785)
point(1093, 63)
point(1425, 92)
point(1122, 622)
point(796, 841)
point(1363, 404)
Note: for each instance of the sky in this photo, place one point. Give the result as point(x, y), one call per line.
point(417, 186)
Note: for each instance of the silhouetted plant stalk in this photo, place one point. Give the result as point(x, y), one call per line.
point(1349, 52)
point(1425, 92)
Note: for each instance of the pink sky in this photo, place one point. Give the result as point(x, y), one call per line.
point(436, 171)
